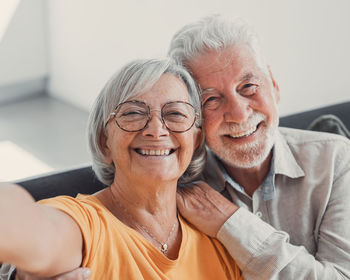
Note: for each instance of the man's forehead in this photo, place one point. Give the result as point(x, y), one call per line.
point(211, 62)
point(240, 59)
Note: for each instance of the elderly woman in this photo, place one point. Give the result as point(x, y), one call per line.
point(144, 136)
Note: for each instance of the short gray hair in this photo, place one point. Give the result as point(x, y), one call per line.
point(213, 32)
point(133, 79)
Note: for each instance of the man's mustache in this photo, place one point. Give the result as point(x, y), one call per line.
point(253, 121)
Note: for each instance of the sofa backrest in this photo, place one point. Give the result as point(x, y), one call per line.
point(304, 119)
point(83, 180)
point(79, 180)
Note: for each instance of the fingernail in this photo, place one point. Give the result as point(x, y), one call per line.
point(87, 273)
point(196, 182)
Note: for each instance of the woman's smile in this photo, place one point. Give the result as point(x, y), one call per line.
point(154, 152)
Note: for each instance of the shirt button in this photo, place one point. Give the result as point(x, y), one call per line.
point(259, 214)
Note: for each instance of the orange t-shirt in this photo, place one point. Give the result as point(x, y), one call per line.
point(113, 250)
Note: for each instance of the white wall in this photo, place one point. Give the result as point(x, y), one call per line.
point(23, 57)
point(8, 8)
point(306, 43)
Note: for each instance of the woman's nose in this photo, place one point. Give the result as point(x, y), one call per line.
point(155, 127)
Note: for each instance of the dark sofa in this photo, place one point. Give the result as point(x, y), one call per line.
point(83, 180)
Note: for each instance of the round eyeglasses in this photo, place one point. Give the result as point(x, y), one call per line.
point(132, 116)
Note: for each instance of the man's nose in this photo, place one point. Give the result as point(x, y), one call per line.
point(155, 127)
point(237, 108)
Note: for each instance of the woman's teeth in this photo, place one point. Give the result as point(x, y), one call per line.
point(164, 152)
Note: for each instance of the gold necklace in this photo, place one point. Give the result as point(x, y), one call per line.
point(163, 246)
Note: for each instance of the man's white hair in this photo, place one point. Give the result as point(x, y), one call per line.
point(213, 32)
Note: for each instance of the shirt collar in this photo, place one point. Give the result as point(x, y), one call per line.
point(285, 162)
point(228, 178)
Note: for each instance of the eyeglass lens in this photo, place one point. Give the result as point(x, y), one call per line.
point(177, 116)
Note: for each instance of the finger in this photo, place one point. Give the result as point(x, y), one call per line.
point(190, 200)
point(203, 186)
point(181, 203)
point(179, 199)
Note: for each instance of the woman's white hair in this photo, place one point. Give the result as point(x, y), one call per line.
point(131, 80)
point(213, 32)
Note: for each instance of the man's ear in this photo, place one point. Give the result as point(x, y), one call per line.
point(104, 146)
point(274, 84)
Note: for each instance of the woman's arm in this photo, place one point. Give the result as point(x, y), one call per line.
point(36, 238)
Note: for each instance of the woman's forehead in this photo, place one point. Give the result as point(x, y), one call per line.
point(168, 88)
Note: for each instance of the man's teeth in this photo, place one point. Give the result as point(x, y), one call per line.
point(155, 152)
point(243, 133)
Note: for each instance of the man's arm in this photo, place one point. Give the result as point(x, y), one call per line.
point(36, 238)
point(261, 251)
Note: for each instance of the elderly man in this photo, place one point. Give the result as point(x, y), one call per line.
point(279, 200)
point(289, 189)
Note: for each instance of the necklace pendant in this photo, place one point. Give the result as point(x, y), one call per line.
point(164, 248)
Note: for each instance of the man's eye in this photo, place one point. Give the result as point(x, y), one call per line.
point(211, 102)
point(210, 99)
point(248, 89)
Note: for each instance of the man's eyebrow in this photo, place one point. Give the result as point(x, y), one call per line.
point(206, 90)
point(248, 76)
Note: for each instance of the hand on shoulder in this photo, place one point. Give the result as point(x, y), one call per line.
point(204, 207)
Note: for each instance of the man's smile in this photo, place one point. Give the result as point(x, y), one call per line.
point(242, 134)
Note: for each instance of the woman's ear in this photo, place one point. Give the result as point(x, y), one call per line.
point(198, 136)
point(103, 142)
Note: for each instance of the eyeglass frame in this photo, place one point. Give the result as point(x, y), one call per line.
point(113, 115)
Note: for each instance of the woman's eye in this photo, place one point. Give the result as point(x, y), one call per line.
point(175, 114)
point(132, 113)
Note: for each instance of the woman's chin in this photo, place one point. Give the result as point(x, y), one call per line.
point(158, 176)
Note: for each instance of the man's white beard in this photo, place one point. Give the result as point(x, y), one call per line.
point(251, 154)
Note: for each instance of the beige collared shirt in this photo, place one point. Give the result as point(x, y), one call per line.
point(303, 231)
